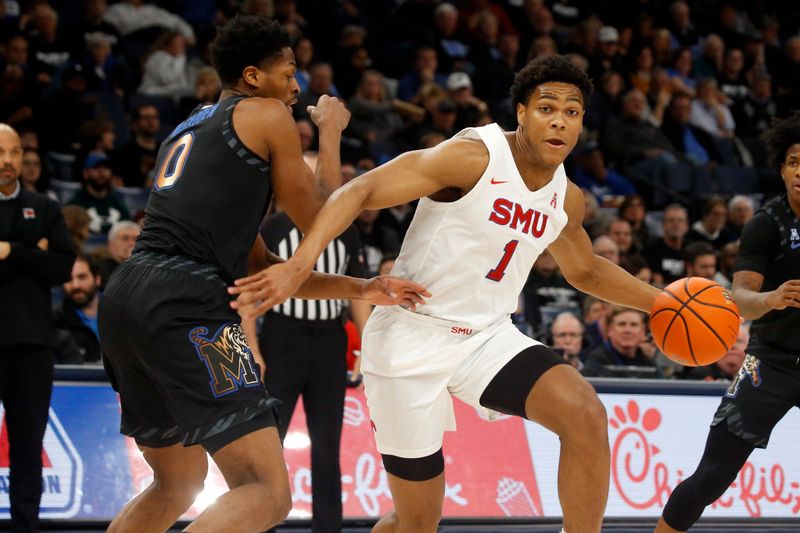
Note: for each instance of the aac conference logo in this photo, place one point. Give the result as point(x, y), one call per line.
point(62, 471)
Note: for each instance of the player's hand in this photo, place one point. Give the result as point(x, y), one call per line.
point(262, 291)
point(787, 295)
point(5, 249)
point(388, 290)
point(329, 112)
point(43, 244)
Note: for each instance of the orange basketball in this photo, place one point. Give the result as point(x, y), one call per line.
point(694, 321)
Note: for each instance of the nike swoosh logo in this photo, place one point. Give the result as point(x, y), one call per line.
point(795, 245)
point(495, 182)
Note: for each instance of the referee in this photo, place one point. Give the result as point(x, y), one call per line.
point(304, 345)
point(766, 285)
point(35, 254)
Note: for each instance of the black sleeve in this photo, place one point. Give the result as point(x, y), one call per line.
point(759, 244)
point(53, 266)
point(356, 264)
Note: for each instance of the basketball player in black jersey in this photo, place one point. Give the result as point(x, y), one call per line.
point(766, 286)
point(175, 349)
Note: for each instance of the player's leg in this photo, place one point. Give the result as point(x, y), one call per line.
point(724, 456)
point(756, 400)
point(259, 495)
point(417, 487)
point(178, 475)
point(537, 385)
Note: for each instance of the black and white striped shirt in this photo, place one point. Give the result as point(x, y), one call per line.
point(344, 255)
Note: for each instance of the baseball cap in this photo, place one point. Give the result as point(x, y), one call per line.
point(458, 80)
point(608, 34)
point(95, 159)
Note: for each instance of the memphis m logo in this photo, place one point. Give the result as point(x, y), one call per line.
point(227, 358)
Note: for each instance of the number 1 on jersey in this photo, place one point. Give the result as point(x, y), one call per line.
point(497, 273)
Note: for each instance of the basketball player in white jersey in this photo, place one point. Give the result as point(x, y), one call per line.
point(490, 203)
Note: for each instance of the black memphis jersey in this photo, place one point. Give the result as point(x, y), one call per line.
point(209, 194)
point(770, 246)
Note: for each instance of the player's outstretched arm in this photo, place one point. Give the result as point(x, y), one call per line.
point(591, 273)
point(381, 290)
point(454, 163)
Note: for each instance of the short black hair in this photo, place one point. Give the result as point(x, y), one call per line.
point(546, 69)
point(90, 261)
point(246, 41)
point(696, 250)
point(780, 137)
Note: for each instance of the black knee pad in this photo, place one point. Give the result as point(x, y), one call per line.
point(416, 469)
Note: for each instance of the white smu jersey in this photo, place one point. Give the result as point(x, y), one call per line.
point(474, 254)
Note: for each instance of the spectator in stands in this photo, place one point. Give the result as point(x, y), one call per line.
point(641, 73)
point(666, 255)
point(104, 72)
point(470, 9)
point(709, 227)
point(604, 246)
point(424, 71)
point(726, 368)
point(546, 293)
point(375, 117)
point(121, 239)
point(681, 72)
point(740, 210)
point(78, 313)
point(694, 143)
point(608, 55)
point(709, 112)
point(378, 240)
point(680, 24)
point(97, 196)
point(31, 176)
point(96, 137)
point(637, 266)
point(727, 258)
point(451, 50)
point(165, 71)
point(35, 255)
point(207, 87)
point(130, 16)
point(754, 113)
point(732, 81)
point(303, 56)
point(59, 117)
point(709, 64)
point(619, 230)
point(320, 82)
point(77, 220)
point(627, 330)
point(595, 221)
point(591, 173)
point(788, 90)
point(632, 209)
point(49, 50)
point(91, 23)
point(701, 261)
point(443, 120)
point(663, 49)
point(606, 102)
point(631, 139)
point(566, 332)
point(594, 319)
point(134, 160)
point(468, 106)
point(15, 52)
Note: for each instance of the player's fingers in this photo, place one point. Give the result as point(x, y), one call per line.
point(408, 304)
point(414, 297)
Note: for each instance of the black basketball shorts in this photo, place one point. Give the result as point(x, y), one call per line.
point(175, 352)
point(756, 400)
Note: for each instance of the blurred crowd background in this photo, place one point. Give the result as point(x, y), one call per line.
point(669, 159)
